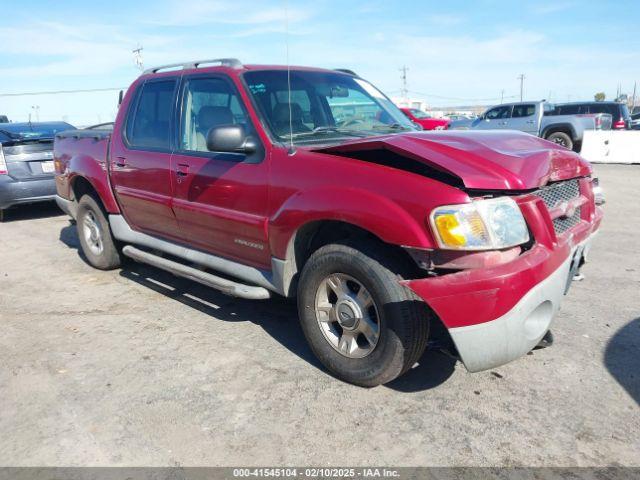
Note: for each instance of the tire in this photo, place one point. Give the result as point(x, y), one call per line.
point(98, 245)
point(402, 320)
point(2, 215)
point(562, 139)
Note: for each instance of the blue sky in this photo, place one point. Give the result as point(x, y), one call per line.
point(457, 51)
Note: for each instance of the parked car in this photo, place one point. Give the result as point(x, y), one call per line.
point(621, 119)
point(455, 117)
point(540, 119)
point(238, 177)
point(635, 121)
point(26, 163)
point(426, 121)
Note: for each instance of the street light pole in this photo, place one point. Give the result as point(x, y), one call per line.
point(521, 77)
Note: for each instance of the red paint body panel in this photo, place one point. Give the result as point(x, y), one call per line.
point(86, 158)
point(249, 212)
point(220, 202)
point(427, 123)
point(472, 297)
point(392, 204)
point(481, 159)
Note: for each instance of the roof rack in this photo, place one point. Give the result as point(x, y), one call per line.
point(346, 70)
point(224, 62)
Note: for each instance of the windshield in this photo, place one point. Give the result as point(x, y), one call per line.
point(32, 131)
point(419, 113)
point(324, 106)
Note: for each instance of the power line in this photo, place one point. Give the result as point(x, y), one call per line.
point(442, 97)
point(59, 92)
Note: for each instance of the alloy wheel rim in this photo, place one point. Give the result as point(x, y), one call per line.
point(92, 233)
point(347, 315)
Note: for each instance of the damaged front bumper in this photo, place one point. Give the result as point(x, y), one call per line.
point(495, 315)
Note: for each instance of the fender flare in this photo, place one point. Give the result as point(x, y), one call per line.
point(387, 221)
point(560, 126)
point(94, 172)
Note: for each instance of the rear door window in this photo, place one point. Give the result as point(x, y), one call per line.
point(149, 122)
point(520, 111)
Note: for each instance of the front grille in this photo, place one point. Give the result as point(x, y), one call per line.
point(561, 192)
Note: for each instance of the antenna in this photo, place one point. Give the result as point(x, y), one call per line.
point(286, 31)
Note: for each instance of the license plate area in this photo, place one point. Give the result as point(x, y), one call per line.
point(47, 167)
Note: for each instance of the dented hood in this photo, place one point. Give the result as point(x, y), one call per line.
point(506, 160)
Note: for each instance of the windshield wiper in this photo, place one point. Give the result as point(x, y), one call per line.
point(391, 126)
point(329, 129)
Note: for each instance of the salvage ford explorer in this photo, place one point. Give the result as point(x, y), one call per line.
point(309, 183)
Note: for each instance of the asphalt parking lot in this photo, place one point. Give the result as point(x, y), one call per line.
point(136, 367)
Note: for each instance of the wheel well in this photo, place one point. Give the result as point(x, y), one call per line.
point(565, 130)
point(81, 186)
point(315, 235)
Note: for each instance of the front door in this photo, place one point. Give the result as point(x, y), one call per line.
point(220, 198)
point(141, 159)
point(496, 119)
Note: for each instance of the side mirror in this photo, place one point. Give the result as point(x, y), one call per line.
point(231, 139)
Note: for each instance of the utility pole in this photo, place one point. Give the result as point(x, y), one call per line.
point(137, 57)
point(36, 108)
point(521, 77)
point(633, 100)
point(404, 92)
point(502, 95)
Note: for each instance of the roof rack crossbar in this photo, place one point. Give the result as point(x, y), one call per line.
point(347, 71)
point(224, 62)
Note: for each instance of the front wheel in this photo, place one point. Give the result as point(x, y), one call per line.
point(561, 138)
point(98, 245)
point(364, 326)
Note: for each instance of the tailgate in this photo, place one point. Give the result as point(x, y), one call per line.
point(30, 161)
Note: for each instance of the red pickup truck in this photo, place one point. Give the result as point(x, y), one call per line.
point(309, 183)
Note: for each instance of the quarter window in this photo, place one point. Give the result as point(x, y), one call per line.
point(150, 123)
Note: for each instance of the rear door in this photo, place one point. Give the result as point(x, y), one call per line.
point(220, 198)
point(524, 117)
point(140, 159)
point(496, 118)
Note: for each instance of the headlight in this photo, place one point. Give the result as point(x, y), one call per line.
point(490, 224)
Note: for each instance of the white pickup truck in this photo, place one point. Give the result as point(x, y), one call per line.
point(537, 118)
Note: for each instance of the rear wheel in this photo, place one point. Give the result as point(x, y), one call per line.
point(561, 138)
point(360, 322)
point(98, 245)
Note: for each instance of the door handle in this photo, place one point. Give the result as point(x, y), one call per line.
point(503, 123)
point(182, 170)
point(530, 121)
point(121, 162)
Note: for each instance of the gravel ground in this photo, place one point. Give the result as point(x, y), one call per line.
point(136, 367)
